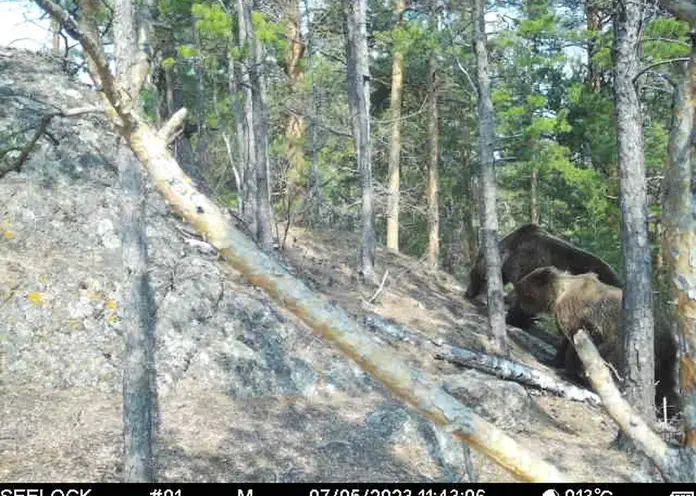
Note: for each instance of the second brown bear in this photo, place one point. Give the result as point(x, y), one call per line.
point(584, 302)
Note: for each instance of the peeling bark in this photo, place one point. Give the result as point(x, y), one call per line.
point(679, 242)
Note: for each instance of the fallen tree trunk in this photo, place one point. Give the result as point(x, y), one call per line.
point(329, 322)
point(543, 351)
point(500, 367)
point(675, 464)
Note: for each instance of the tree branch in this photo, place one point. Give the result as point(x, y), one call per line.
point(40, 130)
point(173, 126)
point(657, 64)
point(91, 45)
point(665, 40)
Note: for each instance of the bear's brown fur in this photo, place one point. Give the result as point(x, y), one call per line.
point(583, 302)
point(530, 247)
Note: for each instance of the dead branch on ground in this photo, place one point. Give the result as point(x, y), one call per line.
point(380, 288)
point(502, 368)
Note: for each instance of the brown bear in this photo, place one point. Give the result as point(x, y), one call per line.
point(583, 301)
point(530, 247)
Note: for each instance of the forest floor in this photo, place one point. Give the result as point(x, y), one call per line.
point(578, 436)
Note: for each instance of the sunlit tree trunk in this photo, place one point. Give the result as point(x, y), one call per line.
point(55, 38)
point(295, 126)
point(315, 188)
point(433, 165)
point(595, 10)
point(393, 176)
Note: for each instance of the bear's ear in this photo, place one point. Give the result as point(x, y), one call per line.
point(546, 274)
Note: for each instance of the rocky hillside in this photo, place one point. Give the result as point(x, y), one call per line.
point(245, 392)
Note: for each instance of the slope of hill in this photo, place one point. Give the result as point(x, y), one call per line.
point(245, 392)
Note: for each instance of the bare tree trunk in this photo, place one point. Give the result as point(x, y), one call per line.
point(359, 96)
point(137, 324)
point(534, 193)
point(393, 179)
point(637, 323)
point(496, 309)
point(433, 166)
point(295, 126)
point(679, 242)
point(315, 189)
point(201, 142)
point(475, 205)
point(237, 157)
point(594, 12)
point(250, 181)
point(264, 214)
point(138, 304)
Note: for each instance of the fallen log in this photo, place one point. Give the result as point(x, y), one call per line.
point(502, 368)
point(676, 464)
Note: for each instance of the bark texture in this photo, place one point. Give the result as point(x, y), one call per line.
point(201, 132)
point(359, 98)
point(595, 12)
point(637, 323)
point(433, 166)
point(55, 38)
point(249, 204)
point(264, 212)
point(486, 126)
point(295, 126)
point(534, 217)
point(138, 307)
point(667, 459)
point(679, 242)
point(393, 174)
